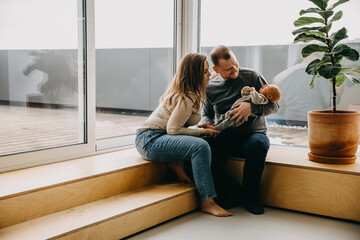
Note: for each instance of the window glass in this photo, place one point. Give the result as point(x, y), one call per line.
point(259, 33)
point(134, 64)
point(41, 75)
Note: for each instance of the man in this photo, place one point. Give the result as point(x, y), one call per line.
point(248, 140)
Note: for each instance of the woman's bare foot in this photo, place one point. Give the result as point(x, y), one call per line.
point(179, 169)
point(209, 206)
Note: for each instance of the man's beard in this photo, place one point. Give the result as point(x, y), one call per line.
point(233, 76)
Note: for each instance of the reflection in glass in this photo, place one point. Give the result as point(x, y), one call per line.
point(60, 81)
point(41, 75)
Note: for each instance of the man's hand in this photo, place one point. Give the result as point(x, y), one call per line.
point(207, 125)
point(241, 112)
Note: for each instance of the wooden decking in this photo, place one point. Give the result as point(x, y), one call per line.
point(24, 129)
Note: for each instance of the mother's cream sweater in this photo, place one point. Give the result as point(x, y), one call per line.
point(176, 121)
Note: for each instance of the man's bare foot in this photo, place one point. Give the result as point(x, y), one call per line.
point(179, 169)
point(209, 206)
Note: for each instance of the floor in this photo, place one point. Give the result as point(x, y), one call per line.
point(29, 128)
point(274, 224)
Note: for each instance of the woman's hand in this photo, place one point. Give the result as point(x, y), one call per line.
point(209, 132)
point(207, 125)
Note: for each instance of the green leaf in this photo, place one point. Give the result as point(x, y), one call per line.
point(339, 79)
point(311, 48)
point(337, 17)
point(331, 58)
point(345, 51)
point(350, 54)
point(305, 29)
point(312, 83)
point(306, 37)
point(307, 20)
point(320, 3)
point(309, 10)
point(338, 3)
point(338, 36)
point(353, 74)
point(325, 29)
point(311, 66)
point(329, 71)
point(324, 14)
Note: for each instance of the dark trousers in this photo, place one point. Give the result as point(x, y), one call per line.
point(253, 147)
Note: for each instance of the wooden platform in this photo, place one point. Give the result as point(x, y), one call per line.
point(106, 196)
point(116, 194)
point(113, 195)
point(293, 182)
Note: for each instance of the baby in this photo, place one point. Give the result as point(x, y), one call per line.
point(268, 93)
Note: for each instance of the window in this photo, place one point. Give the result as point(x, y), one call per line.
point(259, 33)
point(134, 64)
point(42, 81)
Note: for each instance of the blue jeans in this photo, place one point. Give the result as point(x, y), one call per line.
point(157, 146)
point(253, 147)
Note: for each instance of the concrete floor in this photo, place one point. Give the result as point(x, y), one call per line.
point(274, 224)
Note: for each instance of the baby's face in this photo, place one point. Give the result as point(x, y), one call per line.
point(271, 92)
point(265, 89)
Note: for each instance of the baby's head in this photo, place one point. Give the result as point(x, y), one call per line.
point(271, 92)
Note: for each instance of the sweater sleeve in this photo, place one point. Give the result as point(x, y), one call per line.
point(178, 118)
point(208, 113)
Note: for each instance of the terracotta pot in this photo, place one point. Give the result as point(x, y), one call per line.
point(333, 137)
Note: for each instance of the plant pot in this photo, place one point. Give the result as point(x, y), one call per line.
point(333, 137)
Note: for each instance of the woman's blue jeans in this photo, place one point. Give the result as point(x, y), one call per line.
point(157, 146)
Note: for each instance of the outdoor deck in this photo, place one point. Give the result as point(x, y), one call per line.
point(24, 129)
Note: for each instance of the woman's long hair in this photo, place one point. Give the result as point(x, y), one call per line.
point(187, 82)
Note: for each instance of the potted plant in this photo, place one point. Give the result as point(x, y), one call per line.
point(333, 134)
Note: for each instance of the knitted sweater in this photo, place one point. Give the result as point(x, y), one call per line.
point(255, 97)
point(175, 121)
point(220, 96)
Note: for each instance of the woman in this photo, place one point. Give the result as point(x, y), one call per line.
point(165, 136)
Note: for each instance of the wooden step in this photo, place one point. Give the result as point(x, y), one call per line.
point(31, 193)
point(111, 218)
point(292, 181)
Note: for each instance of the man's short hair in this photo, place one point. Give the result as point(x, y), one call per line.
point(220, 52)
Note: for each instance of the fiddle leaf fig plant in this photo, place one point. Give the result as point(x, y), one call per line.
point(316, 29)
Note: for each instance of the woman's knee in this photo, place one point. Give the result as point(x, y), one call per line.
point(202, 148)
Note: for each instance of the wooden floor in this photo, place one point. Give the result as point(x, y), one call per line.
point(24, 129)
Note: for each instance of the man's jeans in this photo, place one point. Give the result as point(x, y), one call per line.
point(253, 147)
point(157, 146)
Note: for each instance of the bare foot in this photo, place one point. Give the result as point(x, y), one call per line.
point(209, 206)
point(179, 169)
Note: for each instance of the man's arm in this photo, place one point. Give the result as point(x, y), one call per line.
point(245, 109)
point(208, 113)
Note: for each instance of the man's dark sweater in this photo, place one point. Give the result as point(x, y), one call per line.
point(220, 96)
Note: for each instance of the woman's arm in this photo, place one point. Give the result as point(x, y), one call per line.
point(178, 118)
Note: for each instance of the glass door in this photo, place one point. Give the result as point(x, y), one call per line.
point(43, 83)
point(134, 64)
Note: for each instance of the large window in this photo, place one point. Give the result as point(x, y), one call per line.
point(259, 33)
point(52, 109)
point(42, 82)
point(134, 64)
